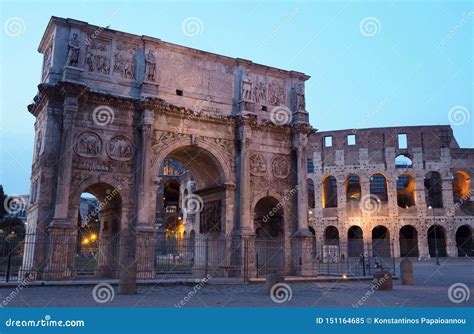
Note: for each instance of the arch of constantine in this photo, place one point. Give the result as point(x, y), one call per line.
point(177, 143)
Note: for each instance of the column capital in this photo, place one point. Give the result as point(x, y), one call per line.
point(148, 117)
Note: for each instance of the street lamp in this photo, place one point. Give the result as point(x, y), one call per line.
point(435, 236)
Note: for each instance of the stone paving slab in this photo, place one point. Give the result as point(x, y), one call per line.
point(431, 289)
point(186, 281)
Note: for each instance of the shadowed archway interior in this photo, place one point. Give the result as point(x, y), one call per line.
point(110, 216)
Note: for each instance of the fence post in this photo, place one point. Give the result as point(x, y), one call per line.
point(393, 260)
point(369, 255)
point(363, 263)
point(257, 264)
point(246, 261)
point(206, 268)
point(7, 275)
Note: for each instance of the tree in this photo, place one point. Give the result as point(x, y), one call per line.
point(3, 196)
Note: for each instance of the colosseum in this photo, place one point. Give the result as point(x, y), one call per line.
point(204, 163)
point(405, 185)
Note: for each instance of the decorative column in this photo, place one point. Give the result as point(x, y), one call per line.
point(300, 140)
point(62, 230)
point(70, 108)
point(146, 201)
point(244, 134)
point(244, 235)
point(303, 238)
point(40, 211)
point(127, 268)
point(229, 200)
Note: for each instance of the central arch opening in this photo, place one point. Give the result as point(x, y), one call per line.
point(190, 212)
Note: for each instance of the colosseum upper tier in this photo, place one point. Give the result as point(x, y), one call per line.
point(395, 183)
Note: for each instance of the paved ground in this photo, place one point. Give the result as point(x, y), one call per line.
point(431, 289)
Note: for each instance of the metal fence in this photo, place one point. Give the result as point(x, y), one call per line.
point(354, 258)
point(190, 257)
point(67, 256)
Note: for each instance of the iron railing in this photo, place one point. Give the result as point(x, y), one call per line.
point(64, 256)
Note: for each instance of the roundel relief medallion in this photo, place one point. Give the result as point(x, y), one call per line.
point(280, 167)
point(258, 164)
point(120, 148)
point(88, 144)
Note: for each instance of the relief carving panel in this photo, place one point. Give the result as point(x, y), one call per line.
point(258, 164)
point(97, 58)
point(120, 148)
point(124, 61)
point(88, 144)
point(262, 90)
point(276, 93)
point(280, 167)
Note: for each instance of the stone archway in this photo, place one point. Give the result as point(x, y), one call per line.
point(437, 241)
point(464, 241)
point(355, 241)
point(192, 155)
point(206, 202)
point(408, 237)
point(269, 231)
point(204, 208)
point(381, 241)
point(331, 250)
point(110, 205)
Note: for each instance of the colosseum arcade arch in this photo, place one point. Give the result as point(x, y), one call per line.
point(355, 241)
point(408, 237)
point(331, 249)
point(437, 241)
point(381, 246)
point(464, 241)
point(461, 186)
